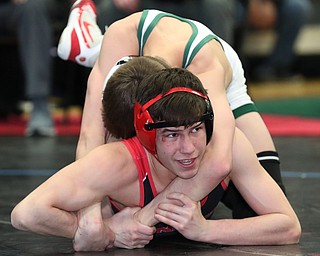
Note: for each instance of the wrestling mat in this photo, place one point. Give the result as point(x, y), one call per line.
point(291, 117)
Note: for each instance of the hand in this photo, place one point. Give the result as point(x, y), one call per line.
point(129, 232)
point(92, 234)
point(183, 214)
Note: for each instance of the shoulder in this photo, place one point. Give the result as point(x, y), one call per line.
point(110, 158)
point(211, 61)
point(113, 166)
point(119, 40)
point(101, 172)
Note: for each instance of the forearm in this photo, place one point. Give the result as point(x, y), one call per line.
point(92, 133)
point(276, 224)
point(270, 229)
point(222, 140)
point(196, 188)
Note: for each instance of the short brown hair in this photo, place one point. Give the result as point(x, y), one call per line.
point(183, 109)
point(120, 94)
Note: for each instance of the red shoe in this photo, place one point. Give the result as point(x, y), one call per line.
point(80, 41)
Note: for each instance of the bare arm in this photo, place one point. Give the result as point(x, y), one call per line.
point(92, 133)
point(52, 207)
point(276, 223)
point(119, 40)
point(217, 161)
point(214, 81)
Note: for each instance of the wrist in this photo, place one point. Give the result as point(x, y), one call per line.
point(144, 217)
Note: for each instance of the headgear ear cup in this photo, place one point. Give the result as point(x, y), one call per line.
point(146, 137)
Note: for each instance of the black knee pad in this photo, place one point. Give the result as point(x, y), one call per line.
point(271, 163)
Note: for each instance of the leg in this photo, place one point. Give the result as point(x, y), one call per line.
point(252, 125)
point(288, 30)
point(79, 42)
point(35, 40)
point(279, 62)
point(10, 95)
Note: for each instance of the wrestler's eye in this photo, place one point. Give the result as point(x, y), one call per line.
point(197, 127)
point(172, 135)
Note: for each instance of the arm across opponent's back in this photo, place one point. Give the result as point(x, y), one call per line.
point(276, 223)
point(119, 40)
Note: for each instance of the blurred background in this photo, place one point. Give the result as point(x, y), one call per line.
point(278, 43)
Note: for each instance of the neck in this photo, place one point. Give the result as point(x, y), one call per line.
point(160, 174)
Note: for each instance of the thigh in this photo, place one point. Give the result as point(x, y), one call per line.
point(252, 125)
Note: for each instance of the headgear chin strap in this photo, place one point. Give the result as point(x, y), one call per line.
point(145, 126)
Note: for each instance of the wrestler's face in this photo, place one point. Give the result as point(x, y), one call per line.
point(180, 149)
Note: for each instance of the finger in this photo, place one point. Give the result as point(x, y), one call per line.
point(144, 237)
point(141, 243)
point(185, 200)
point(171, 210)
point(137, 235)
point(177, 216)
point(145, 242)
point(109, 246)
point(168, 221)
point(122, 245)
point(146, 230)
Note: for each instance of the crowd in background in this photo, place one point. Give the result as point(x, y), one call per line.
point(36, 25)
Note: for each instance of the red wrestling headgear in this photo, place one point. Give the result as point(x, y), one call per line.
point(145, 126)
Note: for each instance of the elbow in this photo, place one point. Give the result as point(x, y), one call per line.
point(294, 234)
point(220, 164)
point(21, 219)
point(27, 216)
point(220, 167)
point(223, 168)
